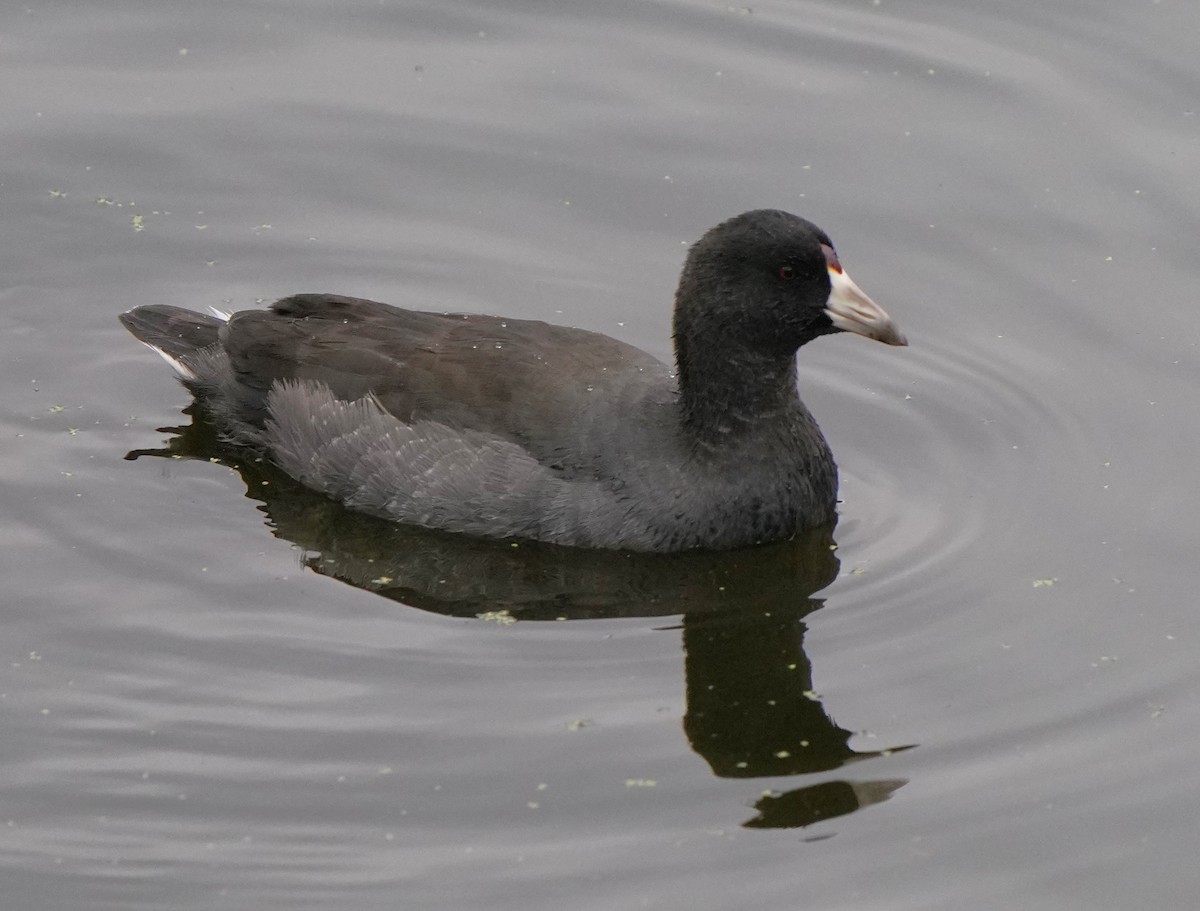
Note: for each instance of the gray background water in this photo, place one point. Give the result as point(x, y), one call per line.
point(200, 713)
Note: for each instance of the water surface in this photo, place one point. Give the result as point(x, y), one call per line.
point(219, 692)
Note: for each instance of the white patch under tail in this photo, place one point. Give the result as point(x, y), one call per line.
point(184, 371)
point(222, 315)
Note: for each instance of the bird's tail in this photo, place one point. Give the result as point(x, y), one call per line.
point(176, 334)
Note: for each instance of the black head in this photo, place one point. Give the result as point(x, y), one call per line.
point(768, 281)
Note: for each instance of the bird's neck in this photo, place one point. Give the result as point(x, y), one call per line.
point(727, 393)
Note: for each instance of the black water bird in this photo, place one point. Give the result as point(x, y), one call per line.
point(521, 429)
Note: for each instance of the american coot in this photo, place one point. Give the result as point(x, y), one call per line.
point(518, 428)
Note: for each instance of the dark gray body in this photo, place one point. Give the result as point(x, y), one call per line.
point(517, 428)
point(489, 426)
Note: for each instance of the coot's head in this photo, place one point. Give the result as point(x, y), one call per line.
point(767, 282)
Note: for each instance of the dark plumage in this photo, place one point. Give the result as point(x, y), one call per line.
point(518, 428)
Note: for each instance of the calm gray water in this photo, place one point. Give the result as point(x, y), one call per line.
point(219, 693)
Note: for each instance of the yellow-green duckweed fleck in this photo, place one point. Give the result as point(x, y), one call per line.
point(502, 617)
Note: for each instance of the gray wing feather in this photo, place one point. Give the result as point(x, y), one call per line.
point(430, 474)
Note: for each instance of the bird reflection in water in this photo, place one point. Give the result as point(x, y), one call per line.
point(751, 708)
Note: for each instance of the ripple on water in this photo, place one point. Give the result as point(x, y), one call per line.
point(932, 457)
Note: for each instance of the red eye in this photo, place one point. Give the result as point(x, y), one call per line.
point(787, 273)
